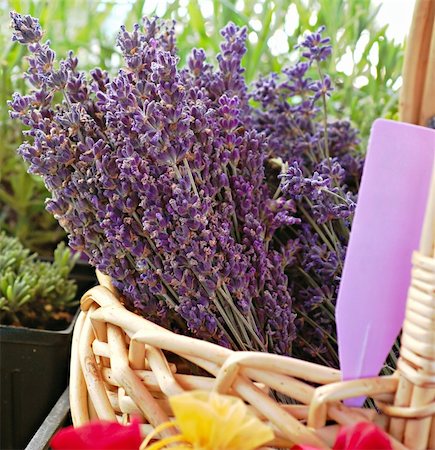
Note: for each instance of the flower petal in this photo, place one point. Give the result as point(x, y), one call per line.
point(98, 435)
point(362, 436)
point(209, 421)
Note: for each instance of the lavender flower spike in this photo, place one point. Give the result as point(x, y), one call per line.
point(158, 175)
point(27, 30)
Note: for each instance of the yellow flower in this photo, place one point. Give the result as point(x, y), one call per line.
point(210, 421)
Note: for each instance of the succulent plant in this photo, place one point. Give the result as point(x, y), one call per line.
point(34, 292)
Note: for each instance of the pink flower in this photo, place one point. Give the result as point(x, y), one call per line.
point(362, 436)
point(98, 436)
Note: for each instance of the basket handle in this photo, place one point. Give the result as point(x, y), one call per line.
point(417, 96)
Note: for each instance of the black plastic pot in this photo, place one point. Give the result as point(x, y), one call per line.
point(58, 417)
point(34, 373)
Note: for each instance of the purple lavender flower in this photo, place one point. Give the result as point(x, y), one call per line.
point(320, 176)
point(315, 47)
point(27, 29)
point(158, 175)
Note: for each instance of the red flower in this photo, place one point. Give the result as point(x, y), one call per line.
point(98, 436)
point(362, 436)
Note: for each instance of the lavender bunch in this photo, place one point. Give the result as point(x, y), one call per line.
point(320, 174)
point(158, 176)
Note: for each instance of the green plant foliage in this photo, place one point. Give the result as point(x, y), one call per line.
point(31, 291)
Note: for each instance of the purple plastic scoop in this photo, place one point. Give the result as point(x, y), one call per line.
point(385, 231)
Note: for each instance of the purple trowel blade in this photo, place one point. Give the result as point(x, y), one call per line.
point(385, 231)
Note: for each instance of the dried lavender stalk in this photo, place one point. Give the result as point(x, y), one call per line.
point(322, 172)
point(158, 175)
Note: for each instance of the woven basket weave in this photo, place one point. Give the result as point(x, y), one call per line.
point(120, 364)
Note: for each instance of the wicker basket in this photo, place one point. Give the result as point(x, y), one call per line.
point(120, 364)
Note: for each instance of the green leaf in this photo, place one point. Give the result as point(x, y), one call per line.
point(197, 22)
point(259, 49)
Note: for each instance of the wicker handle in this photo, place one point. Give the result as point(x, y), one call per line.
point(417, 97)
point(416, 367)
